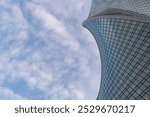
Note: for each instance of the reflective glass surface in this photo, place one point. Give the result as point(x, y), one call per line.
point(125, 54)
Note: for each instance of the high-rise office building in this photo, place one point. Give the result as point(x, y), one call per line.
point(121, 29)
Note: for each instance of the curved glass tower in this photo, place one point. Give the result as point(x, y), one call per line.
point(122, 31)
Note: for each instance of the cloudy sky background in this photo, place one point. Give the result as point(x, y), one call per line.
point(45, 52)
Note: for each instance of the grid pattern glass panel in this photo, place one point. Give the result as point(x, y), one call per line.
point(125, 54)
point(139, 6)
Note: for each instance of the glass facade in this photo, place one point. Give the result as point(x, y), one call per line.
point(124, 45)
point(139, 6)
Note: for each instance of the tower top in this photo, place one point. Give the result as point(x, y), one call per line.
point(136, 6)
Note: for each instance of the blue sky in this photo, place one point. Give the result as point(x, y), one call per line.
point(45, 52)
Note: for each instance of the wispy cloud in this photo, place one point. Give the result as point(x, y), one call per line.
point(51, 23)
point(6, 93)
point(44, 48)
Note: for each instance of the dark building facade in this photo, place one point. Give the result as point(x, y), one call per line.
point(121, 29)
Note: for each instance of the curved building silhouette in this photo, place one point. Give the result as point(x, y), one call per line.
point(121, 29)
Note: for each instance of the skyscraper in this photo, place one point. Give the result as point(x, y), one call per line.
point(121, 29)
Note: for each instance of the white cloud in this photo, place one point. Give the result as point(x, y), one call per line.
point(65, 67)
point(9, 94)
point(50, 22)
